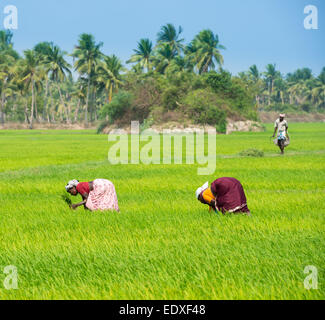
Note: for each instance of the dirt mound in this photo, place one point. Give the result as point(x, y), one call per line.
point(244, 126)
point(173, 127)
point(168, 128)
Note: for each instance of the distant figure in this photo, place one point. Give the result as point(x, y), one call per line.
point(225, 195)
point(99, 194)
point(281, 126)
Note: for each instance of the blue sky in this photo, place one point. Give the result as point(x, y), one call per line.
point(253, 31)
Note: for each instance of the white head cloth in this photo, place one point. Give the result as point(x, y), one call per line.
point(71, 184)
point(199, 190)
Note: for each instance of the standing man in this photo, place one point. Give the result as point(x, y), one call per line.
point(281, 126)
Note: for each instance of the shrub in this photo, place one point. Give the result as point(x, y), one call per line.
point(221, 126)
point(219, 82)
point(234, 91)
point(102, 126)
point(146, 124)
point(121, 103)
point(204, 107)
point(170, 97)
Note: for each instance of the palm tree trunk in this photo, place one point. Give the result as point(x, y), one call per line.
point(63, 103)
point(35, 106)
point(32, 108)
point(110, 97)
point(26, 111)
point(87, 101)
point(257, 98)
point(95, 104)
point(45, 99)
point(2, 120)
point(91, 105)
point(77, 111)
point(51, 111)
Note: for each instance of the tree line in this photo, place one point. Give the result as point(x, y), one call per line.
point(168, 76)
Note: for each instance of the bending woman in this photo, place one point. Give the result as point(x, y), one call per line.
point(225, 195)
point(99, 194)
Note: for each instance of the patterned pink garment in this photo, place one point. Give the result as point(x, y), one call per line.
point(103, 197)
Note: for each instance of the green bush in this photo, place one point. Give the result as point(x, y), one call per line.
point(146, 124)
point(221, 126)
point(204, 107)
point(233, 91)
point(121, 103)
point(219, 82)
point(170, 97)
point(102, 126)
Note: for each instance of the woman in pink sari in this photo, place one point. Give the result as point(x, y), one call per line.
point(225, 195)
point(99, 194)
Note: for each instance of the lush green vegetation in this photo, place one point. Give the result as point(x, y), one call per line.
point(164, 244)
point(168, 80)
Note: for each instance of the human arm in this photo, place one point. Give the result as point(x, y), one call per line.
point(274, 133)
point(76, 205)
point(213, 206)
point(82, 203)
point(275, 128)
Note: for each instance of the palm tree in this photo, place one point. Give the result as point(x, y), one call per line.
point(31, 76)
point(169, 35)
point(204, 51)
point(255, 76)
point(298, 91)
point(254, 73)
point(43, 49)
point(80, 94)
point(109, 74)
point(88, 55)
point(318, 93)
point(270, 75)
point(165, 54)
point(300, 74)
point(177, 65)
point(137, 69)
point(143, 54)
point(280, 86)
point(6, 72)
point(57, 68)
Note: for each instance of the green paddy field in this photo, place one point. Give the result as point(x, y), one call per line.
point(164, 244)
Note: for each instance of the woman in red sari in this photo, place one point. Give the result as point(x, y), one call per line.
point(99, 194)
point(225, 195)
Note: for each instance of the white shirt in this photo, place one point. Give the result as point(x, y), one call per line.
point(282, 126)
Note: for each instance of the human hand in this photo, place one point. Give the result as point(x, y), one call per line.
point(73, 206)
